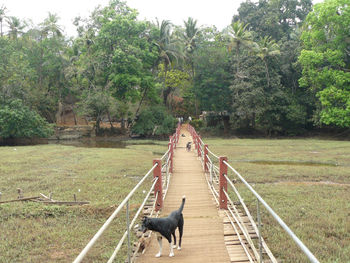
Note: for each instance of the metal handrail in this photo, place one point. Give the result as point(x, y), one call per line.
point(165, 154)
point(110, 219)
point(306, 251)
point(209, 151)
point(211, 165)
point(132, 222)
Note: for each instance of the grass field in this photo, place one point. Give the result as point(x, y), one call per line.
point(307, 182)
point(33, 232)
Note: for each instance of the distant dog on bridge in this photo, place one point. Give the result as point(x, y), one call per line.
point(188, 146)
point(166, 227)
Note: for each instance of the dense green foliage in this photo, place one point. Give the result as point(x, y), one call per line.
point(281, 67)
point(17, 120)
point(326, 59)
point(154, 121)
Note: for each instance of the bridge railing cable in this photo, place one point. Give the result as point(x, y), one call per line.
point(217, 179)
point(110, 219)
point(301, 245)
point(160, 184)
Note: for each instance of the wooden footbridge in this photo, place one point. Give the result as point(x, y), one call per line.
point(216, 229)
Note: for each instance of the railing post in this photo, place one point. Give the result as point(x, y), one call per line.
point(171, 152)
point(128, 230)
point(157, 172)
point(205, 157)
point(223, 182)
point(259, 230)
point(198, 146)
point(195, 140)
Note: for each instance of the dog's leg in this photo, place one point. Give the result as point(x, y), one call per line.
point(159, 238)
point(171, 249)
point(174, 246)
point(181, 228)
point(171, 246)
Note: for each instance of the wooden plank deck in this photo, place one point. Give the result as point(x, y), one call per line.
point(204, 239)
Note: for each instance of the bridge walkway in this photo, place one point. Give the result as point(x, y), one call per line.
point(203, 238)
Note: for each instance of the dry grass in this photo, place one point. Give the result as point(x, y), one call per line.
point(307, 182)
point(33, 232)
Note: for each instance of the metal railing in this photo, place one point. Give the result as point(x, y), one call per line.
point(217, 179)
point(160, 184)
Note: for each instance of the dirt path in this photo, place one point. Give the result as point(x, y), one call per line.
point(203, 239)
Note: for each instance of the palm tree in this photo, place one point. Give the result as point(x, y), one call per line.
point(265, 48)
point(2, 16)
point(168, 51)
point(50, 27)
point(16, 26)
point(190, 36)
point(240, 37)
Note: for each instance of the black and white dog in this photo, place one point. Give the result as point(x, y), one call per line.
point(188, 146)
point(166, 227)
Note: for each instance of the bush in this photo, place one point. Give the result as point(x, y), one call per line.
point(197, 124)
point(154, 121)
point(18, 121)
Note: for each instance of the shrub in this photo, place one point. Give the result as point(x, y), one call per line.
point(154, 121)
point(197, 124)
point(18, 121)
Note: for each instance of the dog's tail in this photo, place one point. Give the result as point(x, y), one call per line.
point(182, 204)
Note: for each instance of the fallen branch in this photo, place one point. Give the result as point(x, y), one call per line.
point(20, 199)
point(65, 202)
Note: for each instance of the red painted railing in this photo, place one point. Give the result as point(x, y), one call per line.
point(159, 186)
point(223, 198)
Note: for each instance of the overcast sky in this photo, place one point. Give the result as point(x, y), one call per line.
point(207, 12)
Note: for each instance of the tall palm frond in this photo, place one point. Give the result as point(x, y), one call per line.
point(2, 16)
point(266, 47)
point(16, 27)
point(190, 34)
point(167, 48)
point(239, 36)
point(50, 26)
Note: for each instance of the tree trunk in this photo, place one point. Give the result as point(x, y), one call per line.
point(166, 93)
point(267, 73)
point(97, 125)
point(226, 120)
point(138, 108)
point(74, 116)
point(237, 60)
point(59, 113)
point(253, 120)
point(110, 121)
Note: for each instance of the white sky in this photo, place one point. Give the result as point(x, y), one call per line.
point(207, 12)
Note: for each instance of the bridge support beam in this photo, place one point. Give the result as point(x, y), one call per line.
point(206, 157)
point(198, 148)
point(157, 173)
point(171, 152)
point(223, 182)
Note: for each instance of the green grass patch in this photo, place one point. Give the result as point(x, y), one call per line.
point(306, 182)
point(34, 232)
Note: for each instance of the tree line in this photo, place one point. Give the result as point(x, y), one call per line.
point(281, 67)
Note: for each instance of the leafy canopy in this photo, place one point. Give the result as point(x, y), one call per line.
point(18, 121)
point(326, 60)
